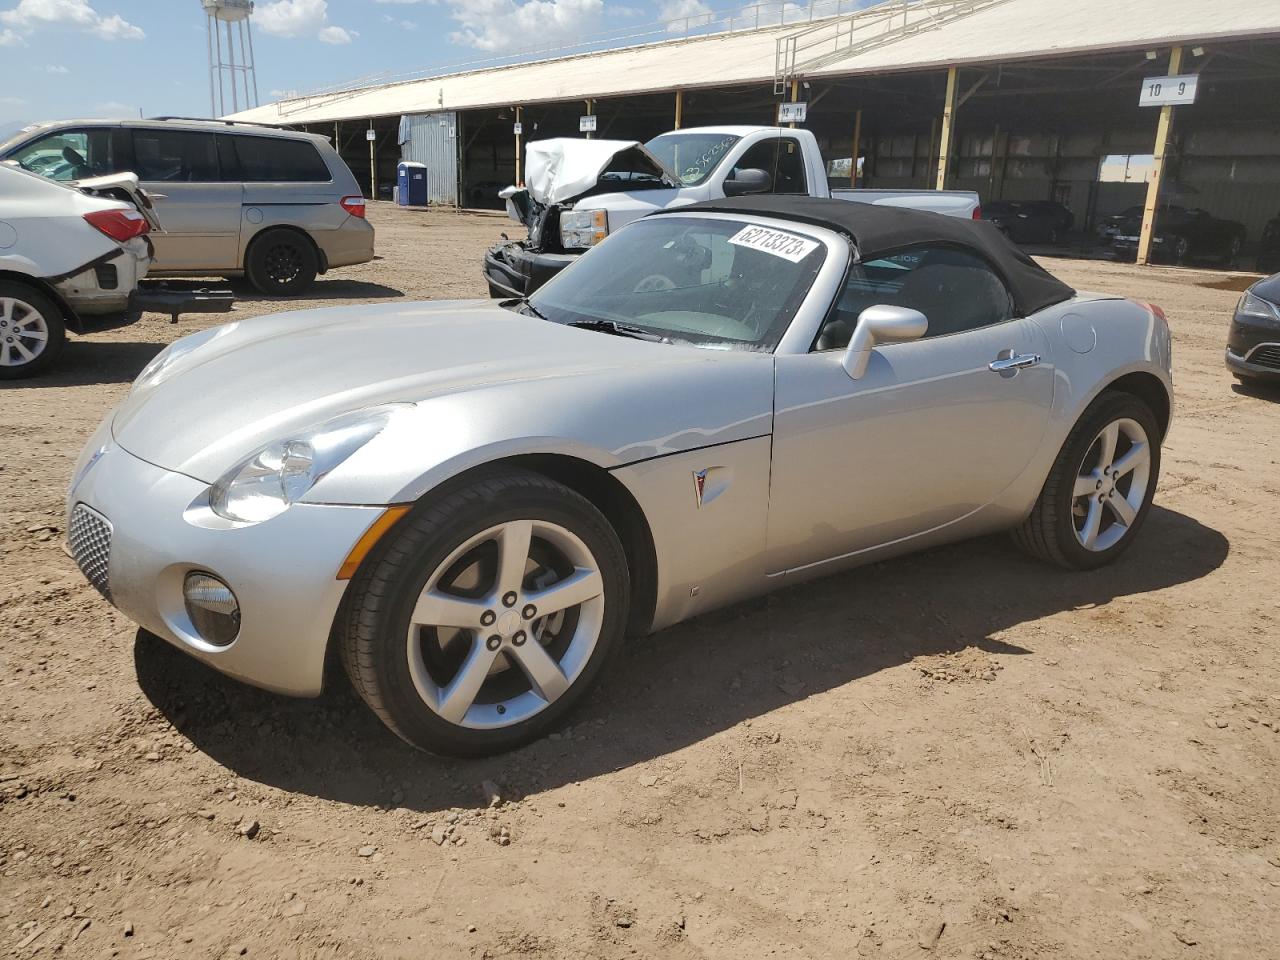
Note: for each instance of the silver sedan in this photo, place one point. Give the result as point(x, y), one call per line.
point(474, 502)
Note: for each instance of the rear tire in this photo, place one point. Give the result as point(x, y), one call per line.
point(32, 330)
point(488, 615)
point(281, 263)
point(1090, 509)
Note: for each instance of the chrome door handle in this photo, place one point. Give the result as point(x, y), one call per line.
point(1013, 362)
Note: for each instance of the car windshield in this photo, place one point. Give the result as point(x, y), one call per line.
point(693, 156)
point(723, 283)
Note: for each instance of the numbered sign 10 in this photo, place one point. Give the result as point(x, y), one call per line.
point(1168, 91)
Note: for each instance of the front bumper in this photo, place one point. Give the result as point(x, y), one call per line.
point(282, 571)
point(1247, 366)
point(512, 270)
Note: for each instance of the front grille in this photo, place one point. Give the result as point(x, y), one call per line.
point(89, 536)
point(1267, 355)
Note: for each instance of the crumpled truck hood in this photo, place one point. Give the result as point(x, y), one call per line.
point(561, 169)
point(475, 370)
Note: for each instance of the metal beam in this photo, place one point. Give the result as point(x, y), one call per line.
point(519, 158)
point(948, 114)
point(857, 138)
point(1157, 168)
point(679, 107)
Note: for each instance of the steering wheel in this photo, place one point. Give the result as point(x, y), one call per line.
point(653, 283)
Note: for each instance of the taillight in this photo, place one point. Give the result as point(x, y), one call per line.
point(977, 212)
point(120, 225)
point(353, 206)
point(1153, 309)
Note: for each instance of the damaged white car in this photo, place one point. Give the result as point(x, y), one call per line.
point(69, 251)
point(576, 192)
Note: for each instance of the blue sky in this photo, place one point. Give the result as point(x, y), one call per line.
point(91, 58)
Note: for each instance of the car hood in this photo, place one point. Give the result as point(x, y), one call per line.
point(257, 382)
point(562, 169)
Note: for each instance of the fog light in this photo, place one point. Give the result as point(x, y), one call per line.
point(212, 607)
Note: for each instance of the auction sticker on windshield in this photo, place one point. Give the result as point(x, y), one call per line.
point(777, 242)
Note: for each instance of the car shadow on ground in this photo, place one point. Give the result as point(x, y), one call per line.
point(90, 362)
point(320, 289)
point(1259, 389)
point(681, 685)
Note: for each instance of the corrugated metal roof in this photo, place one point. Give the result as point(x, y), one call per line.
point(1013, 30)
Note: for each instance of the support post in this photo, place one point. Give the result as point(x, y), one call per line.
point(679, 107)
point(1163, 127)
point(857, 139)
point(590, 108)
point(519, 157)
point(795, 96)
point(948, 112)
point(373, 165)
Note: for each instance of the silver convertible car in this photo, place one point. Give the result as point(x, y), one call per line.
point(472, 503)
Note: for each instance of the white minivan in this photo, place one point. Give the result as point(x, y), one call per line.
point(277, 206)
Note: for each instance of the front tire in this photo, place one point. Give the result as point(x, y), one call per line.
point(1100, 488)
point(32, 331)
point(281, 263)
point(488, 616)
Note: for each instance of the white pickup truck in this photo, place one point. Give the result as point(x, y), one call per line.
point(577, 191)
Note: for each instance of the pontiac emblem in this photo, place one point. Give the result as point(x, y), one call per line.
point(699, 484)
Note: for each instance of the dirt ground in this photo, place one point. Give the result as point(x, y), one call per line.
point(959, 754)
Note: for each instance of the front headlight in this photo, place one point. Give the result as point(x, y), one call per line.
point(264, 485)
point(1253, 306)
point(580, 229)
point(162, 365)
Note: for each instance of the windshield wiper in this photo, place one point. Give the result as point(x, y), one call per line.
point(522, 305)
point(618, 330)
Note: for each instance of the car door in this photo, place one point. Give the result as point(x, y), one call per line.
point(781, 157)
point(928, 436)
point(198, 208)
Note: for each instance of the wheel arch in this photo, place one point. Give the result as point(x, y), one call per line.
point(599, 487)
point(1151, 390)
point(322, 261)
point(71, 318)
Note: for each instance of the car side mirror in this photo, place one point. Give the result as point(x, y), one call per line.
point(882, 323)
point(748, 180)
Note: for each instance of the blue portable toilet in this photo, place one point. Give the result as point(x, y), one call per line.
point(412, 180)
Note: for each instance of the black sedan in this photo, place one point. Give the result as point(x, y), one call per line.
point(1253, 344)
point(1181, 234)
point(1034, 221)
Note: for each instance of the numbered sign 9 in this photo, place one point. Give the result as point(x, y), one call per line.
point(1168, 91)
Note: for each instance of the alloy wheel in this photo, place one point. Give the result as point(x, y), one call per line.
point(24, 332)
point(505, 624)
point(1111, 485)
point(283, 263)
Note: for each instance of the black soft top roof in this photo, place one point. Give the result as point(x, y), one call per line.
point(878, 230)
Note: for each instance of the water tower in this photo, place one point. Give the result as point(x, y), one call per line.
point(230, 56)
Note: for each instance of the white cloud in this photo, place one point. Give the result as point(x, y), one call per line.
point(29, 14)
point(11, 38)
point(332, 34)
point(399, 23)
point(503, 25)
point(301, 18)
point(405, 3)
point(115, 27)
point(677, 12)
point(12, 102)
point(55, 68)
